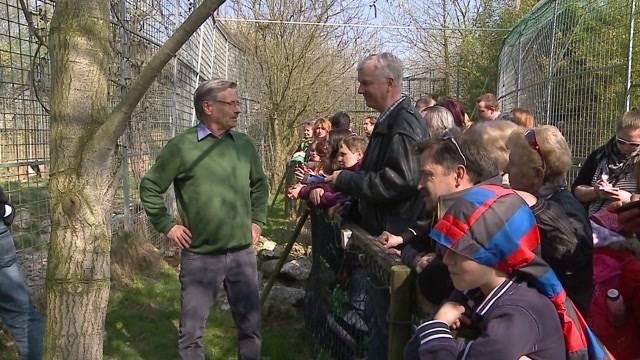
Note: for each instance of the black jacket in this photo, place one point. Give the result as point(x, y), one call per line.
point(386, 185)
point(567, 244)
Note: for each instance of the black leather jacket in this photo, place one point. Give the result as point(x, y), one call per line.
point(567, 245)
point(386, 185)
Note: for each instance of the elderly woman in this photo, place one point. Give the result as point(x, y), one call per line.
point(438, 119)
point(609, 174)
point(539, 160)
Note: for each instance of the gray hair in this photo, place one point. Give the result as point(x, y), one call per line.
point(209, 90)
point(438, 119)
point(386, 65)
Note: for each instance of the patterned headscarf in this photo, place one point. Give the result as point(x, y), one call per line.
point(493, 226)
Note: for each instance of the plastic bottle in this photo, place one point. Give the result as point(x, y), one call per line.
point(615, 303)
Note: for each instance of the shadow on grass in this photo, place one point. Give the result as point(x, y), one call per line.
point(142, 320)
point(142, 323)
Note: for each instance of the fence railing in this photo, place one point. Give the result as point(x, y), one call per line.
point(360, 301)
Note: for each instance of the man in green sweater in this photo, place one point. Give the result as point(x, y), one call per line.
point(221, 193)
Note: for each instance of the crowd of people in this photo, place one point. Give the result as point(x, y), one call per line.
point(537, 268)
point(518, 263)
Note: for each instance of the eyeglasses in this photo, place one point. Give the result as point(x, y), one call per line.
point(530, 135)
point(446, 135)
point(229, 103)
point(622, 141)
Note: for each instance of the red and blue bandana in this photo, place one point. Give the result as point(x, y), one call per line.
point(493, 226)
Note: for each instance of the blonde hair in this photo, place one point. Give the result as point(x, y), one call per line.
point(494, 136)
point(630, 119)
point(553, 147)
point(523, 117)
point(323, 123)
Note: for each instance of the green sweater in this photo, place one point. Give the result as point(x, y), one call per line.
point(220, 189)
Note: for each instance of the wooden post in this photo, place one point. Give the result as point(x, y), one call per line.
point(400, 306)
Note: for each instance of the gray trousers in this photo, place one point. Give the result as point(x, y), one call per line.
point(200, 279)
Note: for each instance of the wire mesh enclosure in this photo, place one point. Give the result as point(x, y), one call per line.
point(571, 63)
point(350, 298)
point(139, 29)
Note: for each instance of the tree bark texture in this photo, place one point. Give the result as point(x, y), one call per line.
point(81, 186)
point(84, 168)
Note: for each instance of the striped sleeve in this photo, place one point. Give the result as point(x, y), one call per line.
point(436, 341)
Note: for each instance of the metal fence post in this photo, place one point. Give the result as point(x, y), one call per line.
point(226, 59)
point(519, 72)
point(125, 137)
point(632, 24)
point(550, 74)
point(213, 51)
point(197, 79)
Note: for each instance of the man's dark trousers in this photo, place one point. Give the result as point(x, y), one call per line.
point(200, 279)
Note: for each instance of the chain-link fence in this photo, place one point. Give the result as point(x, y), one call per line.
point(571, 63)
point(139, 29)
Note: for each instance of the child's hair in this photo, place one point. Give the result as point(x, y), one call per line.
point(335, 138)
point(321, 149)
point(354, 143)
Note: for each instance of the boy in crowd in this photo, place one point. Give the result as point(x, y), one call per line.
point(489, 238)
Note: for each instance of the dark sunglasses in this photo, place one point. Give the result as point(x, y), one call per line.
point(446, 135)
point(622, 141)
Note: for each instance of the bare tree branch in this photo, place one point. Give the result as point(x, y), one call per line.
point(32, 27)
point(114, 127)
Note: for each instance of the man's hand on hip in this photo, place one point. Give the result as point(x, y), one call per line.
point(180, 235)
point(255, 232)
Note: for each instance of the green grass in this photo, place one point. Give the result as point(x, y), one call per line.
point(279, 225)
point(142, 320)
point(142, 323)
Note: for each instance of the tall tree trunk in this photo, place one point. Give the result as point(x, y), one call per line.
point(81, 187)
point(84, 168)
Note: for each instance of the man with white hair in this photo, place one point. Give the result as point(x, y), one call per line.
point(386, 185)
point(221, 193)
